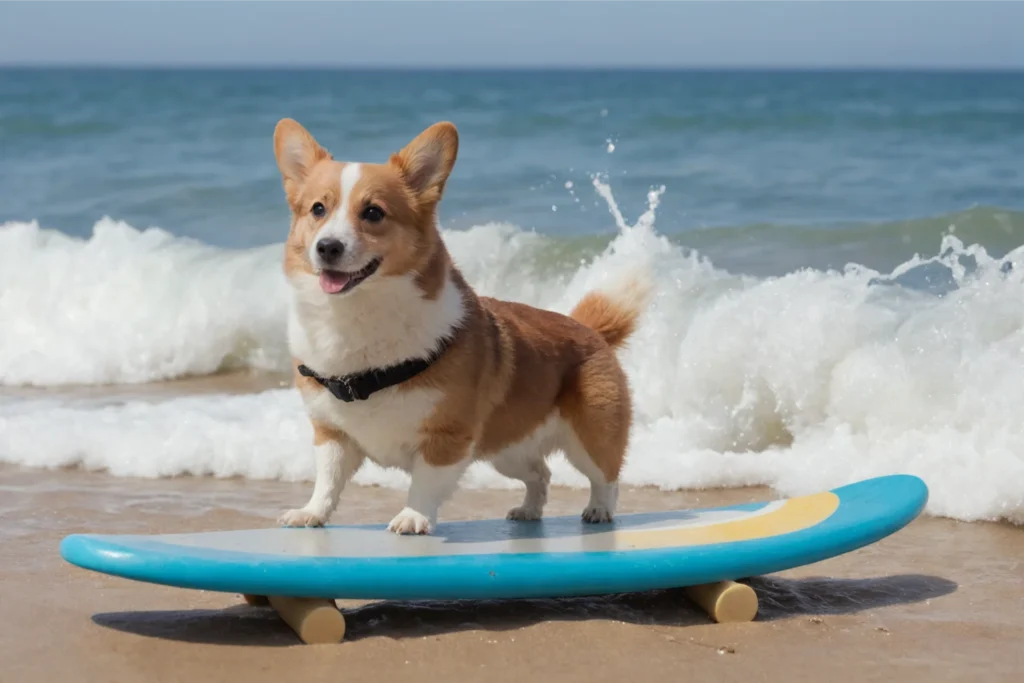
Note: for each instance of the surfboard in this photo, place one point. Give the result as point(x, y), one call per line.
point(492, 559)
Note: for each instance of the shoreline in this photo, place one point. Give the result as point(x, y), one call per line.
point(242, 382)
point(233, 382)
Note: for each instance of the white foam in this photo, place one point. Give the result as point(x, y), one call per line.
point(800, 382)
point(128, 306)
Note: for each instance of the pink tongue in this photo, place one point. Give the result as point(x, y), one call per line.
point(332, 281)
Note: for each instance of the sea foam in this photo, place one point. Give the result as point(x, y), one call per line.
point(800, 382)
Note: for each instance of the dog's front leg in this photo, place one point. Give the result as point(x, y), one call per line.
point(337, 460)
point(436, 471)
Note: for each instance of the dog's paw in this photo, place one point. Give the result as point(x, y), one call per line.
point(597, 514)
point(408, 521)
point(524, 514)
point(301, 517)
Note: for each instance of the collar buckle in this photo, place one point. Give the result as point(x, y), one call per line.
point(340, 387)
point(345, 389)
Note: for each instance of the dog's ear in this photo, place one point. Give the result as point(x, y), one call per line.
point(426, 162)
point(297, 152)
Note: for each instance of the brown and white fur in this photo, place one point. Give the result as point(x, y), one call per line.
point(516, 384)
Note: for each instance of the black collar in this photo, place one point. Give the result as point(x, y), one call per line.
point(359, 386)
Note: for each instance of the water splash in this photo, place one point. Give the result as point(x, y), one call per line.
point(802, 381)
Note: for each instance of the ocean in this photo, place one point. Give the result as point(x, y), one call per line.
point(837, 259)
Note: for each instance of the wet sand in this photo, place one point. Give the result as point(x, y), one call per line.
point(939, 601)
point(233, 382)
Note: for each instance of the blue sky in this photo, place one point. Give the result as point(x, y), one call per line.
point(970, 34)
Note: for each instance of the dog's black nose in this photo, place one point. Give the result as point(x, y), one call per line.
point(329, 249)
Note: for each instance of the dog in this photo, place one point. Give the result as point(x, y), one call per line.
point(398, 361)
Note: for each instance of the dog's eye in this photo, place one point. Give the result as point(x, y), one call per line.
point(319, 210)
point(372, 214)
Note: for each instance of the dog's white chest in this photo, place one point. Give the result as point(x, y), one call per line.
point(387, 425)
point(383, 322)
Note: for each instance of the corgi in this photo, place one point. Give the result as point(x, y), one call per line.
point(398, 361)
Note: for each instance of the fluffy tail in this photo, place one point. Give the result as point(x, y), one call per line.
point(614, 314)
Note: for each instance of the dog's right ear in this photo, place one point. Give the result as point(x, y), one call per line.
point(297, 152)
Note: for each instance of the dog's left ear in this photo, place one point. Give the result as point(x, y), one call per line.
point(427, 161)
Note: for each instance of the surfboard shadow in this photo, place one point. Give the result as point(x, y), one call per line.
point(236, 625)
point(779, 599)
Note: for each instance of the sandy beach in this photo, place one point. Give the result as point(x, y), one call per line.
point(938, 601)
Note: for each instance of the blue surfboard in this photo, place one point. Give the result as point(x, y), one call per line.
point(554, 557)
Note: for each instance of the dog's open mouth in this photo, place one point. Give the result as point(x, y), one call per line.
point(337, 282)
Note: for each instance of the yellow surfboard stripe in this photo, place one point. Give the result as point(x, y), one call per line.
point(793, 515)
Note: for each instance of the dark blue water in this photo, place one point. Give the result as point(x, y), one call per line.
point(190, 151)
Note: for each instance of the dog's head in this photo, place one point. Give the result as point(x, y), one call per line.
point(355, 222)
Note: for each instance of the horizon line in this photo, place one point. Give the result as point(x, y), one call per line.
point(221, 66)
